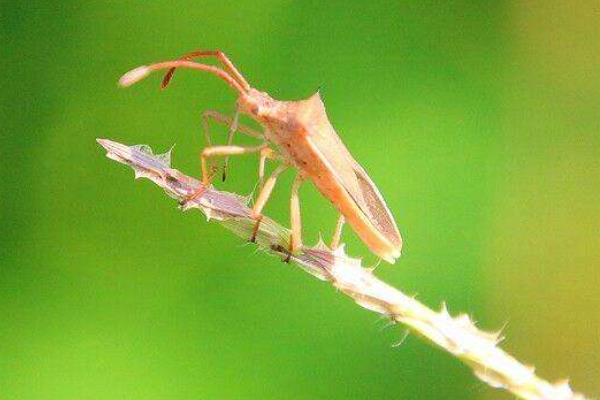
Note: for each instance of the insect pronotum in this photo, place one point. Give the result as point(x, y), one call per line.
point(303, 139)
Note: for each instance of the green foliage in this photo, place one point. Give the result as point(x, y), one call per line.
point(477, 121)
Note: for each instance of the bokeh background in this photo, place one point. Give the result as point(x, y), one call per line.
point(479, 121)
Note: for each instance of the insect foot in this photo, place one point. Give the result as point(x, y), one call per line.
point(293, 248)
point(280, 249)
point(184, 203)
point(199, 191)
point(255, 228)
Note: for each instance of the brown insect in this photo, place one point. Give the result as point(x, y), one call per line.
point(304, 139)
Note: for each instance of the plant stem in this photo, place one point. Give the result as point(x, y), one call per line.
point(457, 335)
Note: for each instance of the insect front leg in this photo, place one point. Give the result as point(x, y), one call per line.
point(232, 129)
point(262, 198)
point(295, 221)
point(215, 116)
point(214, 151)
point(234, 126)
point(337, 234)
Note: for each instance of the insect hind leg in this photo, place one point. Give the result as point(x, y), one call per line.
point(337, 234)
point(295, 219)
point(262, 198)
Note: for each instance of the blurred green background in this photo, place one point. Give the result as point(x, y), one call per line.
point(479, 121)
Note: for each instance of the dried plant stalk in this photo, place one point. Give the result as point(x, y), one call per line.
point(457, 335)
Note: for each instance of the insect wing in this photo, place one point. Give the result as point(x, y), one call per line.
point(375, 207)
point(350, 175)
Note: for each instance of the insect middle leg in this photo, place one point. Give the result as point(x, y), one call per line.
point(262, 198)
point(266, 153)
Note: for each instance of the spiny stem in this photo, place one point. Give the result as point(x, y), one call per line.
point(457, 335)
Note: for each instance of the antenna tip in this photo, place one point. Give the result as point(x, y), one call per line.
point(134, 76)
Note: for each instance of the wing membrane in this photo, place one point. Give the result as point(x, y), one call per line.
point(351, 176)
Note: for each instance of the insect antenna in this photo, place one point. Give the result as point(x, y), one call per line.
point(219, 55)
point(139, 73)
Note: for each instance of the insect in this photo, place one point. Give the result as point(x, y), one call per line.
point(304, 139)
